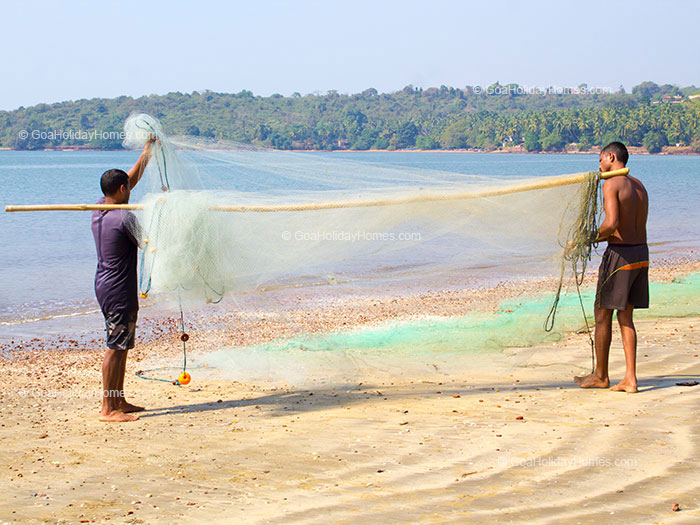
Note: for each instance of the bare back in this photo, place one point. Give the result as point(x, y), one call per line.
point(631, 207)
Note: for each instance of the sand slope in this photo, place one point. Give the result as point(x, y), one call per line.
point(450, 449)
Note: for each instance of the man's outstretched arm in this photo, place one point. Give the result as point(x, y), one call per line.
point(136, 172)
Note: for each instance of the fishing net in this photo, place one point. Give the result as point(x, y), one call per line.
point(432, 346)
point(220, 219)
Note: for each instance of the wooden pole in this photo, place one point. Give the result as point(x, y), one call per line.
point(73, 207)
point(425, 197)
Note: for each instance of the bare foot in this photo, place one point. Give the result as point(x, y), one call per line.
point(117, 416)
point(625, 386)
point(592, 381)
point(128, 407)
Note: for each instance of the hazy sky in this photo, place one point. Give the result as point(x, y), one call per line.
point(55, 51)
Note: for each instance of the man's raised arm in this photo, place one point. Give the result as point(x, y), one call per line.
point(136, 172)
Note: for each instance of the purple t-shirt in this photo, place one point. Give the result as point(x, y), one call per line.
point(116, 285)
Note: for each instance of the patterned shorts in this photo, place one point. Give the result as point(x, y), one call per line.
point(121, 330)
point(623, 277)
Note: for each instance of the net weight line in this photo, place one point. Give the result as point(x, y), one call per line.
point(581, 239)
point(184, 337)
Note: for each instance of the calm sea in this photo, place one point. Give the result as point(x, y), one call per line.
point(47, 260)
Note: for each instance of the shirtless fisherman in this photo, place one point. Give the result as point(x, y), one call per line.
point(116, 288)
point(623, 277)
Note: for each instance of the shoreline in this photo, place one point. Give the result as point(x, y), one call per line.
point(83, 328)
point(291, 313)
point(634, 150)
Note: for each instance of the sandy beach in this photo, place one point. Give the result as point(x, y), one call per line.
point(500, 437)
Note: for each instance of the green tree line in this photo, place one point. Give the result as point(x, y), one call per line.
point(473, 117)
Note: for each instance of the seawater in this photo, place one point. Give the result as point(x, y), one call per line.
point(47, 259)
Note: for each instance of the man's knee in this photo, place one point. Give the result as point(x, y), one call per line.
point(603, 316)
point(625, 317)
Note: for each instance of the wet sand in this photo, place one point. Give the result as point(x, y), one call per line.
point(505, 437)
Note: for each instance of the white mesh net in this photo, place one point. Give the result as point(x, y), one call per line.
point(267, 218)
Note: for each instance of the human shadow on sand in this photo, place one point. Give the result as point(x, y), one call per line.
point(333, 396)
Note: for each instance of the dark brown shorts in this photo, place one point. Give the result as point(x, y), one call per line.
point(623, 277)
point(121, 330)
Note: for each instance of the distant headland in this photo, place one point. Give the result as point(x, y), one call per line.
point(505, 118)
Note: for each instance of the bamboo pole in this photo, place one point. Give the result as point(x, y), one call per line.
point(426, 197)
point(73, 207)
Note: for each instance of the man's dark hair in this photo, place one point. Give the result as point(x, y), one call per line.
point(112, 180)
point(619, 150)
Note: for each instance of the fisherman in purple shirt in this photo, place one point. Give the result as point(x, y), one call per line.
point(117, 240)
